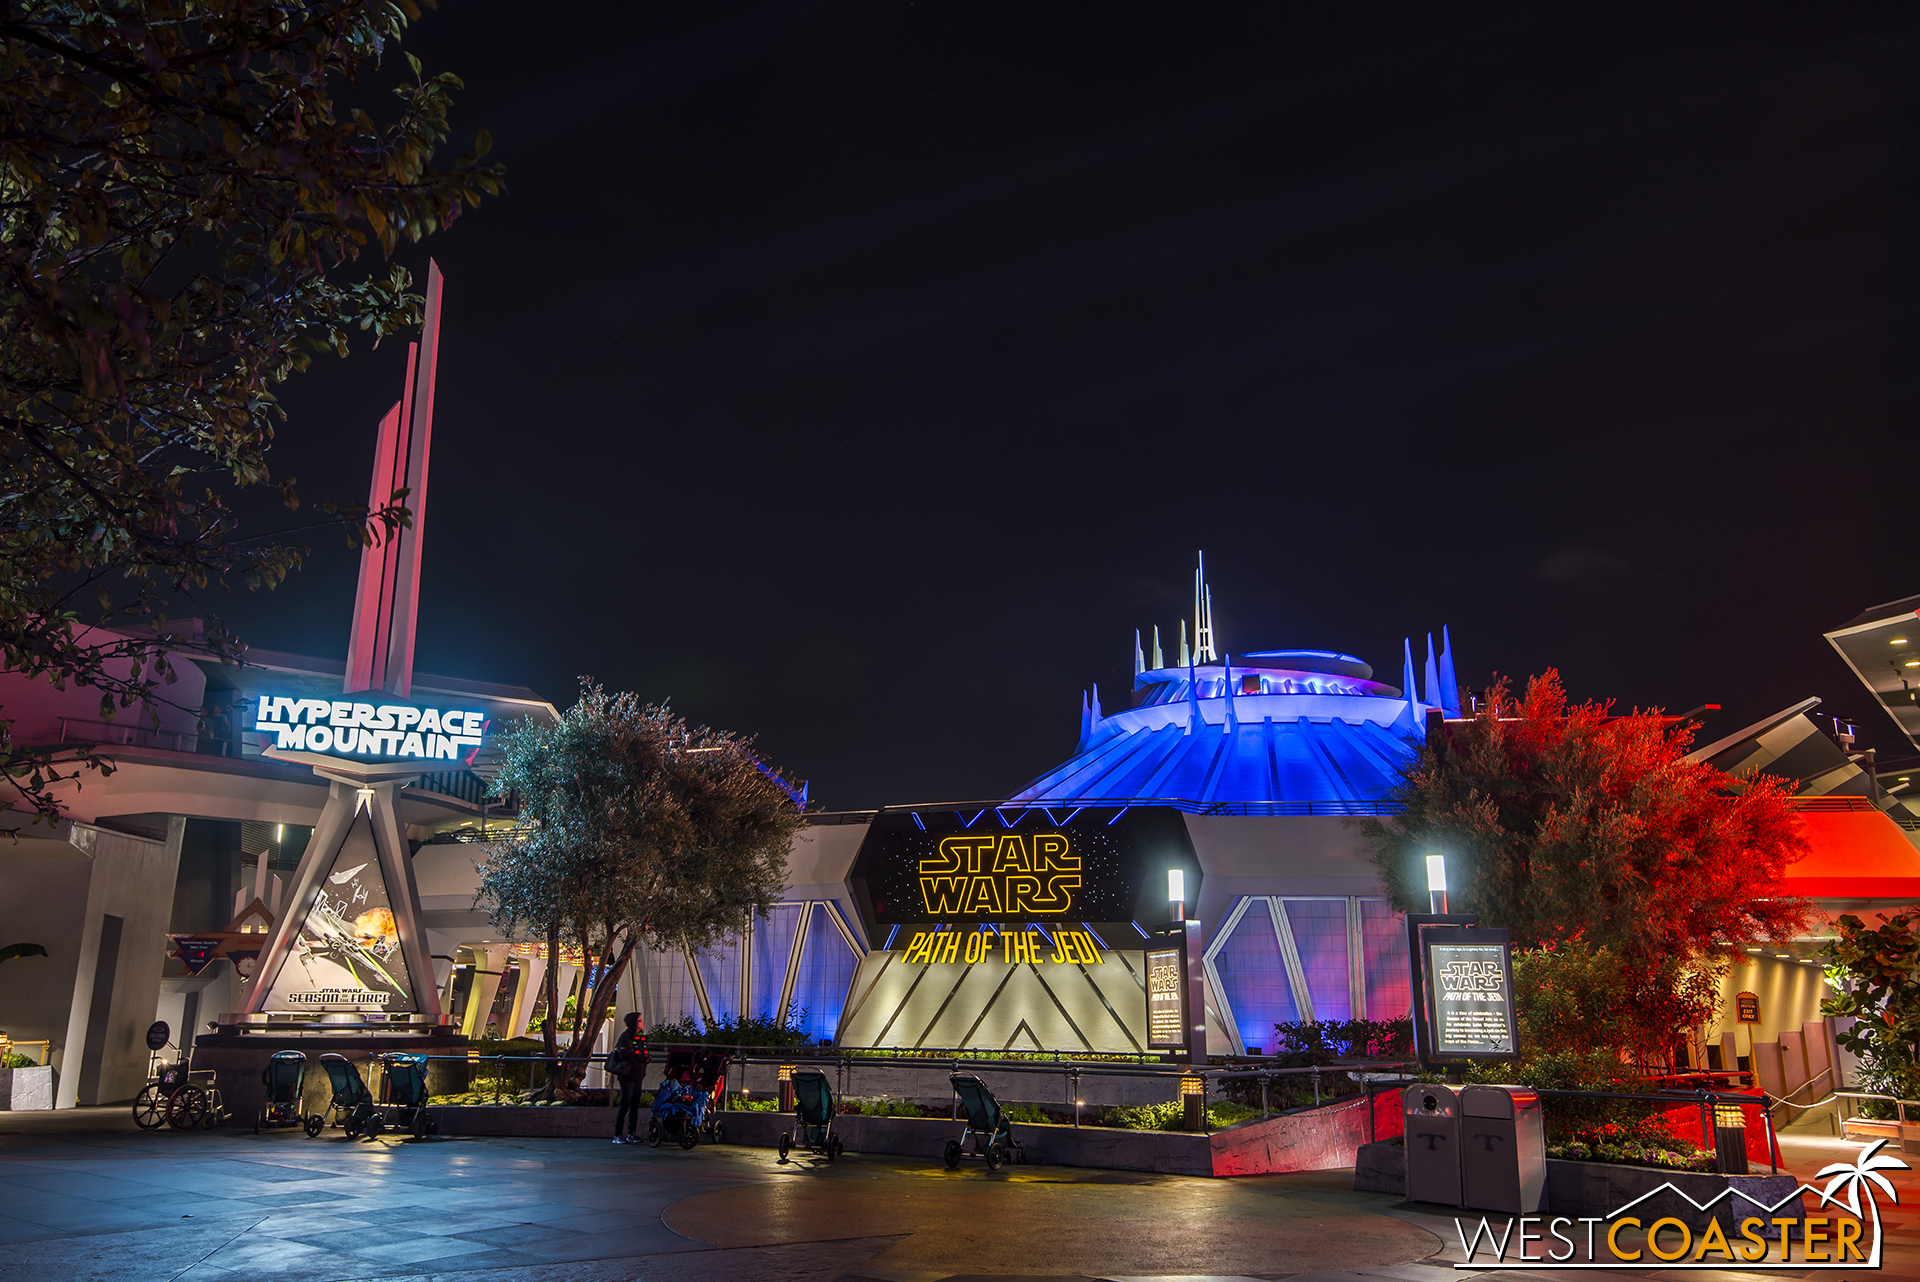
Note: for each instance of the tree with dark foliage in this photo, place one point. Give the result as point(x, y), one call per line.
point(182, 199)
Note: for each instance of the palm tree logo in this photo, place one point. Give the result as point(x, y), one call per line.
point(1863, 1173)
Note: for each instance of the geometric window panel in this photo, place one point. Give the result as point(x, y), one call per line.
point(1254, 976)
point(772, 948)
point(720, 972)
point(1384, 942)
point(826, 972)
point(1320, 934)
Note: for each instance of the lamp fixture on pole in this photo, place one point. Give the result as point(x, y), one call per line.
point(1437, 882)
point(1177, 893)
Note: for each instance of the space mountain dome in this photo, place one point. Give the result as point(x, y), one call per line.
point(1263, 732)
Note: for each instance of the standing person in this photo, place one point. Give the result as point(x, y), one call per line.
point(628, 1064)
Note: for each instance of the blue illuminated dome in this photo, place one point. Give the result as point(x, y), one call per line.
point(1275, 731)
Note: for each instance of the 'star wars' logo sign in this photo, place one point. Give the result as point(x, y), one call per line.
point(1009, 874)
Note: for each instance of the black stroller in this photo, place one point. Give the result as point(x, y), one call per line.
point(404, 1095)
point(812, 1116)
point(352, 1105)
point(986, 1123)
point(284, 1076)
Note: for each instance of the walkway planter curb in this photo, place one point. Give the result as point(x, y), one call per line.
point(1577, 1189)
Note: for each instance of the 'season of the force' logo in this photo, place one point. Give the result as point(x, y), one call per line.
point(1595, 1242)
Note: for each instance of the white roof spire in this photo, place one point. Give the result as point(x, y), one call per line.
point(1203, 650)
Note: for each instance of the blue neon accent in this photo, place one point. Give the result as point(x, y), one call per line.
point(1088, 927)
point(1116, 819)
point(1034, 925)
point(918, 822)
point(1002, 816)
point(888, 946)
point(971, 822)
point(1143, 934)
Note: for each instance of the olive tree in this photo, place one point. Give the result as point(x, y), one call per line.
point(640, 830)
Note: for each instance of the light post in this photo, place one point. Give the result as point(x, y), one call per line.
point(1177, 893)
point(1437, 882)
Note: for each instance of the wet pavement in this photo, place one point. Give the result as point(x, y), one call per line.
point(83, 1195)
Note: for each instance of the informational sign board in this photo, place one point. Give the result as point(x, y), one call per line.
point(158, 1035)
point(373, 726)
point(1417, 922)
point(1746, 1007)
point(1097, 866)
point(1469, 993)
point(345, 955)
point(1166, 997)
point(196, 951)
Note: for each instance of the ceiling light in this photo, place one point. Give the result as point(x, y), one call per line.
point(1898, 641)
point(1784, 956)
point(1913, 663)
point(1753, 950)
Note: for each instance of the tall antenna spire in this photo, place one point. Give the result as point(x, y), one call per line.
point(1158, 661)
point(1185, 660)
point(1203, 651)
point(1139, 660)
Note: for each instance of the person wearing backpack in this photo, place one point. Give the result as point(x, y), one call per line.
point(628, 1064)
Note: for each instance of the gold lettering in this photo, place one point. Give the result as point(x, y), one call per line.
point(1758, 1251)
point(1846, 1241)
point(1816, 1233)
point(1714, 1239)
point(983, 898)
point(1613, 1239)
point(1653, 1238)
point(1012, 855)
point(1786, 1237)
point(951, 948)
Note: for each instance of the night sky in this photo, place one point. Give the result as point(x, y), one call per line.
point(861, 376)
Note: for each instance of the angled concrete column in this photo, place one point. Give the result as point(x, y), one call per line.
point(488, 964)
point(533, 975)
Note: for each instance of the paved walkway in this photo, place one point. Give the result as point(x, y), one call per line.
point(85, 1196)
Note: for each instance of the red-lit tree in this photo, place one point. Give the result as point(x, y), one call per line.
point(1581, 830)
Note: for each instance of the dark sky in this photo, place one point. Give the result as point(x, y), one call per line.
point(860, 376)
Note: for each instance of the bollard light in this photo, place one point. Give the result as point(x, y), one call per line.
point(1177, 892)
point(1437, 883)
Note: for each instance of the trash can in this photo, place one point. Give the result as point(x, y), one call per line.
point(1432, 1125)
point(1503, 1149)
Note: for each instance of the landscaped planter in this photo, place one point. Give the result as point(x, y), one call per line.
point(1576, 1189)
point(23, 1089)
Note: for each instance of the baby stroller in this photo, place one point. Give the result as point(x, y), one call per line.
point(404, 1094)
point(284, 1076)
point(352, 1105)
point(812, 1116)
point(986, 1123)
point(679, 1111)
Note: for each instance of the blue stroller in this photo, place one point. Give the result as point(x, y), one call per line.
point(284, 1075)
point(986, 1124)
point(812, 1116)
point(679, 1111)
point(404, 1094)
point(351, 1108)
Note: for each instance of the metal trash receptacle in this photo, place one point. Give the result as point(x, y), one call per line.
point(1432, 1132)
point(1503, 1149)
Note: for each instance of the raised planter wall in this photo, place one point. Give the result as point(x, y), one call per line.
point(28, 1089)
point(1577, 1189)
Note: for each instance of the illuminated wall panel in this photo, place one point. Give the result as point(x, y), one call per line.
point(826, 971)
point(1320, 933)
point(1384, 941)
point(772, 948)
point(1254, 975)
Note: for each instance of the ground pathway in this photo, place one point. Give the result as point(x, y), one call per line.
point(84, 1196)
